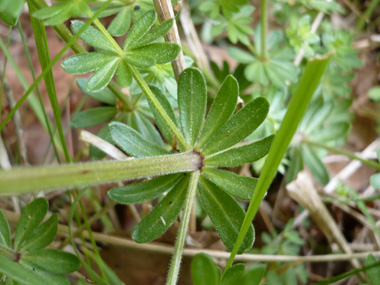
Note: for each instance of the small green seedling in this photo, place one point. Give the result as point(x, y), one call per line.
point(26, 260)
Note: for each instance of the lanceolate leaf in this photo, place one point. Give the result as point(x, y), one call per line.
point(315, 164)
point(238, 127)
point(204, 271)
point(5, 231)
point(93, 37)
point(92, 117)
point(163, 215)
point(295, 165)
point(103, 75)
point(86, 62)
point(43, 235)
point(238, 186)
point(374, 272)
point(226, 215)
point(140, 192)
point(30, 218)
point(18, 273)
point(221, 109)
point(234, 275)
point(104, 96)
point(240, 155)
point(191, 103)
point(168, 110)
point(153, 34)
point(132, 142)
point(255, 274)
point(140, 28)
point(152, 54)
point(120, 25)
point(124, 75)
point(52, 260)
point(141, 124)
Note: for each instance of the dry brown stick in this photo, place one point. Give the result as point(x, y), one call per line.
point(165, 12)
point(303, 191)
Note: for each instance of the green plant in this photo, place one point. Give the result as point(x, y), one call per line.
point(26, 260)
point(179, 153)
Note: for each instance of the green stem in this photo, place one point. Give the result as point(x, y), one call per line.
point(182, 232)
point(263, 20)
point(144, 87)
point(345, 153)
point(27, 179)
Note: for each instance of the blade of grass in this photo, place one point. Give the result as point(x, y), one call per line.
point(31, 99)
point(297, 107)
point(4, 70)
point(43, 53)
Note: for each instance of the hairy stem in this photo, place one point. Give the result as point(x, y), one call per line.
point(182, 232)
point(144, 87)
point(23, 180)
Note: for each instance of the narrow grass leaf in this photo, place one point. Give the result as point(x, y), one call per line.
point(161, 98)
point(315, 165)
point(226, 215)
point(110, 274)
point(234, 275)
point(239, 155)
point(204, 271)
point(104, 96)
point(52, 260)
point(140, 192)
point(163, 215)
point(221, 110)
point(5, 231)
point(191, 103)
point(124, 75)
point(92, 117)
point(102, 76)
point(158, 31)
point(238, 186)
point(152, 54)
point(140, 28)
point(238, 127)
point(43, 235)
point(132, 142)
point(93, 37)
point(121, 23)
point(297, 107)
point(31, 217)
point(18, 273)
point(86, 62)
point(373, 273)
